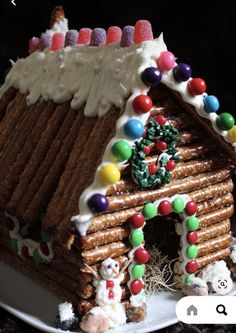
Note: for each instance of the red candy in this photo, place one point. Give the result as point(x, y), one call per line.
point(111, 294)
point(136, 286)
point(190, 208)
point(196, 86)
point(109, 284)
point(192, 237)
point(137, 220)
point(142, 31)
point(152, 169)
point(58, 41)
point(164, 207)
point(84, 36)
point(25, 252)
point(161, 145)
point(141, 256)
point(144, 133)
point(147, 150)
point(161, 120)
point(170, 165)
point(44, 248)
point(191, 267)
point(34, 44)
point(113, 35)
point(142, 104)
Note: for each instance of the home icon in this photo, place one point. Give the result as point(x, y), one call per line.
point(191, 310)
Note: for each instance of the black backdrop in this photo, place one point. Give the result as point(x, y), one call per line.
point(201, 33)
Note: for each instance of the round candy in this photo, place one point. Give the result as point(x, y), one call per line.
point(141, 256)
point(152, 169)
point(58, 41)
point(109, 174)
point(136, 237)
point(121, 150)
point(178, 205)
point(196, 86)
point(137, 271)
point(170, 165)
point(37, 258)
point(147, 150)
point(98, 203)
point(134, 128)
point(192, 251)
point(136, 286)
point(127, 36)
point(182, 72)
point(161, 145)
point(149, 210)
point(232, 134)
point(191, 267)
point(161, 120)
point(142, 31)
point(84, 36)
point(211, 103)
point(44, 248)
point(189, 278)
point(190, 208)
point(110, 284)
point(164, 207)
point(151, 76)
point(25, 252)
point(166, 61)
point(137, 220)
point(142, 104)
point(192, 223)
point(192, 237)
point(225, 121)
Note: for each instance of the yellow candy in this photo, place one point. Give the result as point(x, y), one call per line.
point(109, 174)
point(232, 134)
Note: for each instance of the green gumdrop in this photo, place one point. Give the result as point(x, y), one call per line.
point(192, 251)
point(37, 258)
point(225, 121)
point(178, 205)
point(121, 150)
point(138, 271)
point(192, 223)
point(14, 245)
point(189, 278)
point(136, 237)
point(149, 210)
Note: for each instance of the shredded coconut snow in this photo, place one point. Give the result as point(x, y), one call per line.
point(65, 311)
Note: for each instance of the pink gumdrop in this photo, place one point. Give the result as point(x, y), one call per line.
point(142, 31)
point(58, 41)
point(113, 35)
point(166, 61)
point(84, 36)
point(34, 44)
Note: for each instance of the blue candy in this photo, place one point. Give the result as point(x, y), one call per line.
point(211, 104)
point(134, 129)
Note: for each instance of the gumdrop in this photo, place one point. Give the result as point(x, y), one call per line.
point(98, 37)
point(45, 41)
point(71, 37)
point(58, 41)
point(113, 35)
point(127, 36)
point(142, 31)
point(84, 36)
point(34, 44)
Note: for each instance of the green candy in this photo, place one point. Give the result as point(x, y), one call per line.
point(192, 223)
point(138, 271)
point(192, 251)
point(136, 237)
point(14, 245)
point(178, 205)
point(225, 121)
point(37, 258)
point(149, 210)
point(189, 278)
point(121, 150)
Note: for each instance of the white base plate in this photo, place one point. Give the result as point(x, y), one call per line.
point(36, 306)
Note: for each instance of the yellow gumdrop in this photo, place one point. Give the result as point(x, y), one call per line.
point(109, 174)
point(232, 134)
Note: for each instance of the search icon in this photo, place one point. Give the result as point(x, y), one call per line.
point(221, 309)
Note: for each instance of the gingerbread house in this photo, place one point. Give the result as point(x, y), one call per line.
point(108, 147)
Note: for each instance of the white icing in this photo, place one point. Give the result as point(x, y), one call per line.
point(65, 311)
point(139, 299)
point(196, 281)
point(233, 254)
point(61, 26)
point(211, 271)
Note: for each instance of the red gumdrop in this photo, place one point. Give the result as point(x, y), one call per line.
point(58, 41)
point(152, 169)
point(192, 266)
point(161, 145)
point(161, 120)
point(137, 220)
point(142, 31)
point(34, 44)
point(84, 36)
point(25, 252)
point(141, 256)
point(196, 86)
point(113, 35)
point(164, 207)
point(190, 208)
point(192, 237)
point(136, 286)
point(170, 165)
point(44, 248)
